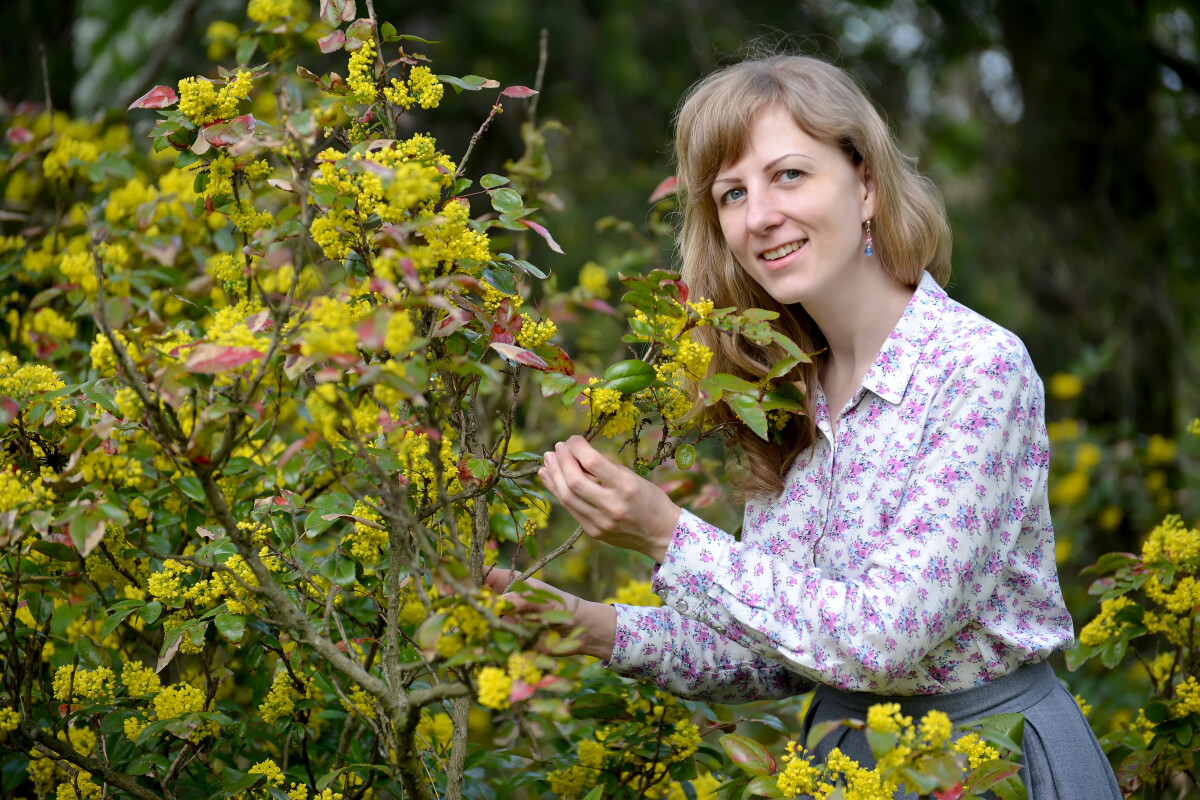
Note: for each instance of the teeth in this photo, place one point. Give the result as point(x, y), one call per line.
point(780, 252)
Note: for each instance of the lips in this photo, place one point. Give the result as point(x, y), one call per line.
point(782, 250)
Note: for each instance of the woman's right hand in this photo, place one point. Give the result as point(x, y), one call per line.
point(597, 620)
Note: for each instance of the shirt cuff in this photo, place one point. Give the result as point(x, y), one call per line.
point(684, 578)
point(632, 641)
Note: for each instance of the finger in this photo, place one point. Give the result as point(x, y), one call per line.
point(578, 480)
point(594, 462)
point(497, 579)
point(591, 516)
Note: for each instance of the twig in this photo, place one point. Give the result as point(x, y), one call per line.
point(46, 88)
point(543, 52)
point(546, 559)
point(462, 165)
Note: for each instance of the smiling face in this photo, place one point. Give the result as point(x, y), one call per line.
point(792, 208)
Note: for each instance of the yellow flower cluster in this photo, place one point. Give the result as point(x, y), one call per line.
point(591, 753)
point(21, 492)
point(1172, 540)
point(72, 684)
point(361, 79)
point(10, 720)
point(270, 769)
point(436, 730)
point(57, 167)
point(976, 750)
point(610, 401)
point(124, 201)
point(1187, 696)
point(1181, 600)
point(935, 728)
point(635, 593)
point(265, 11)
point(281, 699)
point(569, 783)
point(799, 776)
point(21, 381)
point(139, 679)
point(495, 685)
point(202, 103)
point(533, 333)
point(1065, 386)
point(1104, 627)
point(594, 280)
point(423, 88)
point(49, 324)
point(178, 699)
point(330, 330)
point(166, 585)
point(366, 542)
point(693, 356)
point(886, 718)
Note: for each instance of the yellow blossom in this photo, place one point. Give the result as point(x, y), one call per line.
point(1064, 386)
point(495, 685)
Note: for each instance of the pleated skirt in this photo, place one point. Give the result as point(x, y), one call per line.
point(1060, 755)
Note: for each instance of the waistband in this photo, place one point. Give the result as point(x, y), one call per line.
point(1014, 692)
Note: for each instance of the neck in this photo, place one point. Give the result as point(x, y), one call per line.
point(858, 317)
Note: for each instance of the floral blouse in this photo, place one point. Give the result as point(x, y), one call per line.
point(911, 554)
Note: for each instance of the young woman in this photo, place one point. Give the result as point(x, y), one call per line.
point(898, 546)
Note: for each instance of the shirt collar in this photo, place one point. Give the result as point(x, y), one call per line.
point(888, 377)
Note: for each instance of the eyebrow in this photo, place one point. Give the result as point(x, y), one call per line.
point(766, 168)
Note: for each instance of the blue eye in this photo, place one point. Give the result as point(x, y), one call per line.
point(791, 174)
point(732, 195)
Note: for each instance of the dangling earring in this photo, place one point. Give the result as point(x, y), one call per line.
point(869, 251)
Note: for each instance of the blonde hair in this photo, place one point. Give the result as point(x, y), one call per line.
point(911, 233)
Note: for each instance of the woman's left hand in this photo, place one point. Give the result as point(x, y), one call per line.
point(611, 502)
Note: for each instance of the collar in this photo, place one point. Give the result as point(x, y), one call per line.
point(888, 377)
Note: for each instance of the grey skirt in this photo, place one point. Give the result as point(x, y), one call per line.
point(1060, 755)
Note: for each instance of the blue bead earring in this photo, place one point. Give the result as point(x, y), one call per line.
point(869, 251)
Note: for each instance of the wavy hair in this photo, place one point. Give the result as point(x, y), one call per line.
point(911, 232)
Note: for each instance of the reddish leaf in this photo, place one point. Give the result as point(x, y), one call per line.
point(334, 41)
point(953, 793)
point(518, 91)
point(748, 754)
point(260, 321)
point(556, 358)
point(358, 32)
point(209, 359)
point(520, 355)
point(680, 287)
point(372, 331)
point(223, 134)
point(335, 12)
point(668, 187)
point(158, 97)
point(8, 410)
point(450, 323)
point(540, 230)
point(18, 135)
point(520, 691)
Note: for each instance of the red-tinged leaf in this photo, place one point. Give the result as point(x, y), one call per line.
point(520, 355)
point(748, 754)
point(306, 442)
point(8, 410)
point(518, 91)
point(332, 42)
point(158, 97)
point(372, 331)
point(18, 135)
point(601, 306)
point(520, 691)
point(260, 321)
point(281, 184)
point(989, 773)
point(223, 134)
point(541, 231)
point(680, 287)
point(335, 12)
point(668, 187)
point(953, 793)
point(209, 359)
point(358, 32)
point(199, 147)
point(556, 358)
point(450, 323)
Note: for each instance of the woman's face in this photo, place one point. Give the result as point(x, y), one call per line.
point(792, 209)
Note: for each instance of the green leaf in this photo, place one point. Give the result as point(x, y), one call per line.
point(491, 181)
point(880, 742)
point(630, 376)
point(990, 773)
point(599, 705)
point(231, 626)
point(748, 754)
point(190, 486)
point(820, 730)
point(56, 550)
point(685, 456)
point(1113, 652)
point(114, 721)
point(470, 83)
point(114, 620)
point(151, 612)
point(506, 201)
point(556, 383)
point(750, 411)
point(595, 794)
point(1078, 655)
point(764, 786)
point(730, 383)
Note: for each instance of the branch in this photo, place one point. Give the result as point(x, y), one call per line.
point(68, 753)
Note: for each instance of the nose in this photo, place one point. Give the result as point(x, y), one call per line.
point(762, 212)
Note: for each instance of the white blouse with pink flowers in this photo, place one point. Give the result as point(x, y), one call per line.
point(914, 554)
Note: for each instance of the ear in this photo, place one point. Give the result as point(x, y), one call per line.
point(868, 191)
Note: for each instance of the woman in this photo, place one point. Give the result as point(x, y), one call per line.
point(898, 546)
